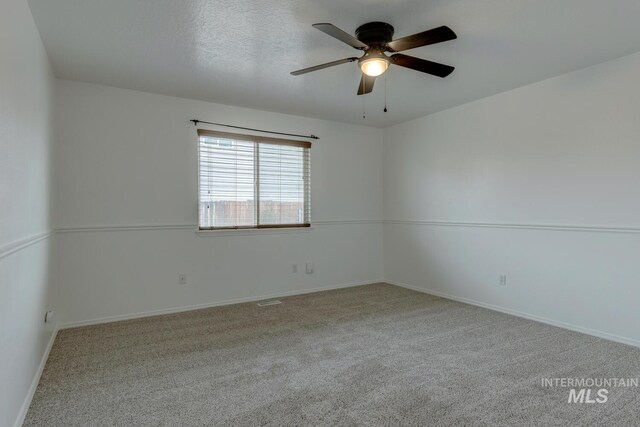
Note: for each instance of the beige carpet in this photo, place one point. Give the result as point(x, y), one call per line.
point(369, 355)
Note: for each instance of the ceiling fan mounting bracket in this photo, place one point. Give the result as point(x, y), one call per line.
point(375, 33)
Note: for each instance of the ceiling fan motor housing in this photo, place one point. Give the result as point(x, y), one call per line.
point(375, 33)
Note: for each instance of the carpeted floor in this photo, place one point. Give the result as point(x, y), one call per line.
point(369, 355)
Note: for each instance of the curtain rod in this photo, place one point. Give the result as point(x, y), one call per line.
point(196, 121)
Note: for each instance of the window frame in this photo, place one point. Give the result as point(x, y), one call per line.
point(257, 139)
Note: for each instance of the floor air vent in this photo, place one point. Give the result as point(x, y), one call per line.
point(269, 302)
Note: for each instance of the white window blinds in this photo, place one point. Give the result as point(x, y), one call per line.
point(252, 182)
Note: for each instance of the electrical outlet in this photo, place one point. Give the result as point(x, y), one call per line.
point(309, 267)
point(503, 280)
point(182, 279)
point(294, 268)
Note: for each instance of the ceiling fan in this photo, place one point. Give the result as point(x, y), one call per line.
point(375, 38)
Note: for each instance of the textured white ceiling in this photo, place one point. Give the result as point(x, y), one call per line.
point(240, 52)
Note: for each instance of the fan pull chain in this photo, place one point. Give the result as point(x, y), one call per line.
point(385, 91)
point(364, 116)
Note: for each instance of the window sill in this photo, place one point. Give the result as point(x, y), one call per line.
point(253, 231)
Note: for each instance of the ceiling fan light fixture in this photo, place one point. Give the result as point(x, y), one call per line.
point(374, 64)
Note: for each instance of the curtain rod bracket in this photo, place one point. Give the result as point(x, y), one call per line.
point(196, 121)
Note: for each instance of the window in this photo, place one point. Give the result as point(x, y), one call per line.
point(252, 182)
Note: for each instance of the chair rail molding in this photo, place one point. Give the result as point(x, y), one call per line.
point(550, 227)
point(18, 245)
point(194, 226)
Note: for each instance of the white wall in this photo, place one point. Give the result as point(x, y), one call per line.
point(26, 84)
point(126, 160)
point(528, 183)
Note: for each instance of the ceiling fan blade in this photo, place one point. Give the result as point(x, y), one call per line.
point(422, 65)
point(321, 66)
point(337, 33)
point(435, 35)
point(366, 84)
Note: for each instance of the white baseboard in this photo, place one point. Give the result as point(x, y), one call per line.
point(34, 383)
point(172, 310)
point(564, 325)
